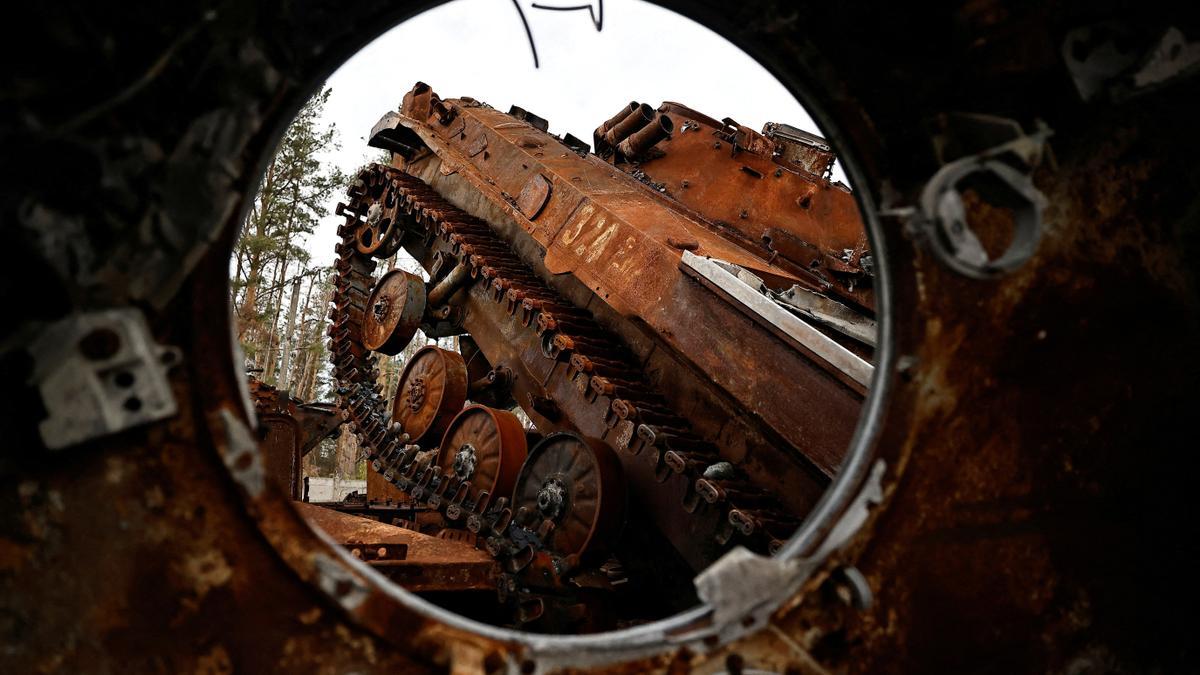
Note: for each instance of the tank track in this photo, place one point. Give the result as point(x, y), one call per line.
point(598, 363)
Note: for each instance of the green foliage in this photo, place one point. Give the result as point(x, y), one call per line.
point(291, 200)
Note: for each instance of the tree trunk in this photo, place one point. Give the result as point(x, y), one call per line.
point(347, 453)
point(256, 261)
point(301, 343)
point(301, 379)
point(271, 330)
point(285, 343)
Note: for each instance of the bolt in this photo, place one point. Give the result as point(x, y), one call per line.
point(416, 394)
point(380, 309)
point(551, 498)
point(465, 461)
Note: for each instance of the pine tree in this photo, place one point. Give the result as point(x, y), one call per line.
point(270, 253)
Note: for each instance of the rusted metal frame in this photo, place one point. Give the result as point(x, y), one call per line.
point(281, 451)
point(289, 431)
point(420, 562)
point(751, 194)
point(764, 455)
point(504, 340)
point(809, 207)
point(837, 360)
point(511, 165)
point(381, 490)
point(800, 149)
point(637, 294)
point(747, 521)
point(829, 220)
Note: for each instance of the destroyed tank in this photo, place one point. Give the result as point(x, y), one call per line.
point(683, 310)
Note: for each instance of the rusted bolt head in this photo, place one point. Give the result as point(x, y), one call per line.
point(380, 309)
point(551, 499)
point(465, 461)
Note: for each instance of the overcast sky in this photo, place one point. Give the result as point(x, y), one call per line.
point(478, 48)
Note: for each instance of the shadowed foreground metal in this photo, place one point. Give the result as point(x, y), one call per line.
point(1012, 500)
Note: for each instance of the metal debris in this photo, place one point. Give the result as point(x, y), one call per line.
point(100, 373)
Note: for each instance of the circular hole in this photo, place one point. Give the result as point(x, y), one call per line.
point(132, 404)
point(547, 345)
point(100, 344)
point(124, 379)
point(700, 390)
point(244, 461)
point(988, 214)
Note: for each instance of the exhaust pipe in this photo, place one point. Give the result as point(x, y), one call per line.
point(635, 120)
point(646, 137)
point(612, 121)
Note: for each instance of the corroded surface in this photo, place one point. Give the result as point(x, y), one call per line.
point(1033, 431)
point(418, 561)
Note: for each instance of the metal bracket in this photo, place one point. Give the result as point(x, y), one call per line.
point(99, 373)
point(1001, 175)
point(741, 289)
point(812, 305)
point(1118, 61)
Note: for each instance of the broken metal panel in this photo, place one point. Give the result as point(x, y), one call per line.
point(830, 313)
point(844, 364)
point(281, 458)
point(805, 150)
point(318, 421)
point(288, 430)
point(419, 562)
point(99, 373)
